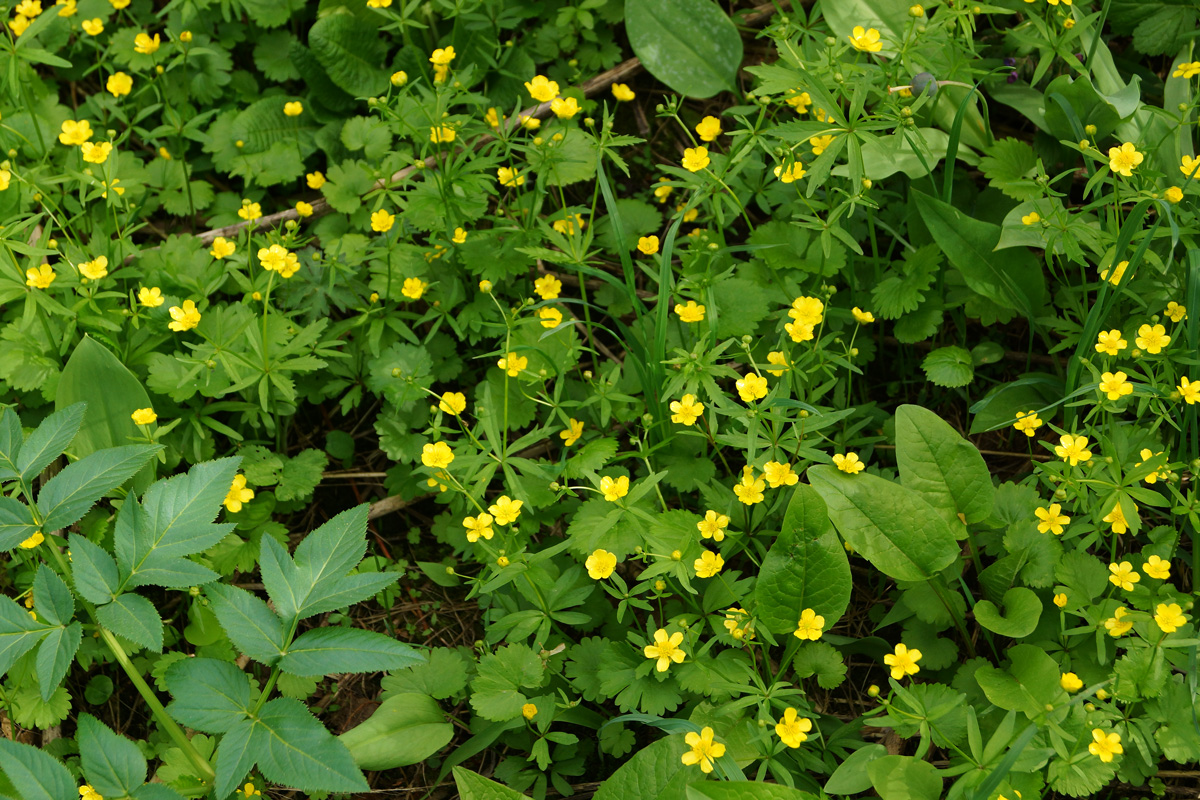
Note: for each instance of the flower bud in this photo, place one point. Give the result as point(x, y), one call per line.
point(873, 691)
point(916, 10)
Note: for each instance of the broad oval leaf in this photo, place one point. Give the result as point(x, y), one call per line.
point(351, 53)
point(655, 772)
point(107, 421)
point(407, 728)
point(806, 567)
point(745, 790)
point(944, 467)
point(889, 525)
point(690, 45)
point(1022, 610)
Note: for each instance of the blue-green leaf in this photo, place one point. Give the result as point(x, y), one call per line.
point(135, 618)
point(68, 495)
point(210, 695)
point(49, 441)
point(18, 633)
point(251, 626)
point(34, 773)
point(53, 600)
point(325, 650)
point(93, 570)
point(112, 764)
point(16, 523)
point(55, 655)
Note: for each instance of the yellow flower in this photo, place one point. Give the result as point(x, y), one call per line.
point(119, 4)
point(315, 180)
point(33, 541)
point(791, 173)
point(452, 403)
point(29, 8)
point(93, 27)
point(459, 236)
point(1116, 518)
point(293, 109)
point(513, 364)
point(1110, 342)
point(704, 750)
point(95, 152)
point(780, 360)
point(799, 101)
point(120, 190)
point(413, 288)
point(1052, 520)
point(1189, 391)
point(622, 93)
point(1060, 600)
point(695, 159)
point(713, 526)
point(1157, 568)
point(1169, 617)
point(529, 122)
point(119, 84)
point(793, 731)
point(666, 649)
point(550, 317)
point(1187, 70)
point(820, 143)
point(571, 435)
point(144, 416)
point(492, 118)
point(1173, 194)
point(708, 129)
point(648, 245)
point(547, 287)
point(600, 564)
point(382, 221)
point(478, 526)
point(185, 36)
point(442, 57)
point(1176, 312)
point(567, 225)
point(542, 88)
point(866, 41)
point(1122, 575)
point(752, 387)
point(75, 132)
point(442, 134)
point(510, 177)
point(614, 490)
point(437, 455)
point(1117, 625)
point(222, 248)
point(250, 211)
point(150, 298)
point(1105, 746)
point(5, 179)
point(733, 619)
point(564, 107)
point(1153, 477)
point(19, 24)
point(692, 312)
point(749, 489)
point(399, 78)
point(807, 311)
point(185, 317)
point(708, 565)
point(1124, 159)
point(1117, 273)
point(1116, 385)
point(1152, 338)
point(778, 474)
point(86, 792)
point(145, 44)
point(278, 258)
point(661, 193)
point(849, 463)
point(1070, 682)
point(96, 269)
point(238, 494)
point(903, 662)
point(529, 710)
point(1027, 422)
point(1189, 165)
point(303, 209)
point(1032, 218)
point(810, 626)
point(862, 317)
point(1073, 449)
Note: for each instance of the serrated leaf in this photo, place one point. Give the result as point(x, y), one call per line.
point(823, 661)
point(251, 626)
point(93, 570)
point(68, 495)
point(443, 675)
point(55, 655)
point(112, 764)
point(16, 523)
point(49, 441)
point(294, 749)
point(53, 600)
point(496, 688)
point(903, 288)
point(301, 474)
point(210, 695)
point(472, 786)
point(135, 618)
point(331, 650)
point(34, 773)
point(950, 367)
point(19, 633)
point(1008, 165)
point(11, 439)
point(351, 52)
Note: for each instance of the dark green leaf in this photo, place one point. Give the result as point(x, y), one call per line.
point(327, 650)
point(135, 618)
point(210, 695)
point(34, 773)
point(945, 468)
point(112, 764)
point(53, 600)
point(49, 441)
point(250, 624)
point(93, 570)
point(690, 45)
point(68, 495)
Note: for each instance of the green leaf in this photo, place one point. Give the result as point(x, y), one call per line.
point(824, 661)
point(1028, 686)
point(405, 729)
point(472, 786)
point(891, 526)
point(55, 656)
point(326, 650)
point(744, 790)
point(11, 439)
point(905, 778)
point(251, 626)
point(49, 441)
point(112, 764)
point(210, 695)
point(135, 618)
point(442, 676)
point(19, 633)
point(851, 775)
point(889, 17)
point(950, 367)
point(569, 161)
point(68, 495)
point(301, 474)
point(945, 468)
point(34, 773)
point(654, 773)
point(53, 600)
point(93, 570)
point(351, 52)
point(690, 45)
point(1009, 166)
point(806, 567)
point(16, 523)
point(1022, 610)
point(496, 689)
point(1012, 279)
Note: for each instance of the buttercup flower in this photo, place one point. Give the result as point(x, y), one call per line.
point(778, 474)
point(93, 27)
point(600, 564)
point(382, 221)
point(1189, 391)
point(505, 510)
point(691, 312)
point(866, 41)
point(1070, 682)
point(791, 173)
point(686, 410)
point(810, 626)
point(442, 57)
point(95, 152)
point(304, 209)
point(734, 619)
point(5, 180)
point(807, 311)
point(862, 317)
point(1169, 617)
point(529, 710)
point(1110, 342)
point(1189, 165)
point(185, 317)
point(1073, 449)
point(793, 731)
point(1187, 70)
point(513, 364)
point(614, 490)
point(1157, 568)
point(1152, 338)
point(1173, 194)
point(820, 143)
point(442, 134)
point(452, 403)
point(666, 649)
point(622, 93)
point(648, 245)
point(33, 541)
point(1117, 625)
point(695, 159)
point(1117, 273)
point(144, 416)
point(75, 132)
point(1116, 385)
point(413, 288)
point(315, 180)
point(248, 790)
point(119, 84)
point(548, 287)
point(437, 455)
point(1105, 746)
point(94, 270)
point(250, 211)
point(1176, 312)
point(86, 792)
point(708, 129)
point(459, 236)
point(509, 177)
point(1153, 477)
point(704, 750)
point(1124, 159)
point(146, 44)
point(238, 494)
point(1027, 422)
point(752, 387)
point(799, 101)
point(708, 564)
point(278, 258)
point(478, 526)
point(1052, 520)
point(1122, 575)
point(150, 297)
point(780, 360)
point(1032, 218)
point(713, 526)
point(849, 463)
point(903, 662)
point(1060, 600)
point(564, 107)
point(222, 248)
point(749, 489)
point(1116, 518)
point(571, 435)
point(542, 88)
